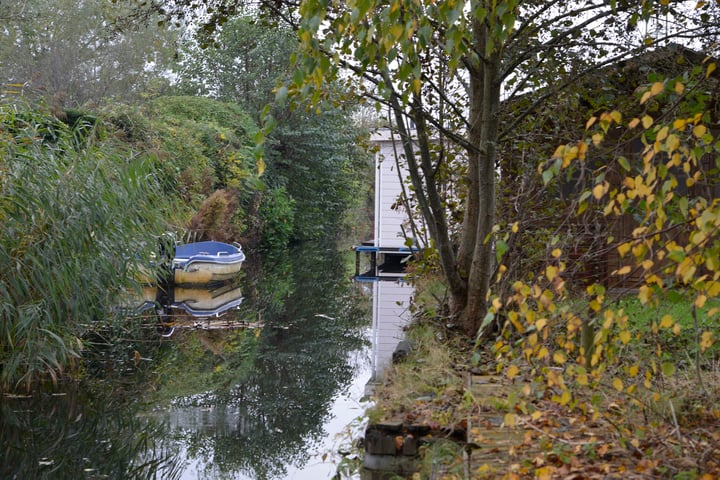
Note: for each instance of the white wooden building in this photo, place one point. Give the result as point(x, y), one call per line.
point(393, 240)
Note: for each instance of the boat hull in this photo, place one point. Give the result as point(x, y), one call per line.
point(201, 273)
point(206, 262)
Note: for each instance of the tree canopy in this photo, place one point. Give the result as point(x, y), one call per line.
point(74, 53)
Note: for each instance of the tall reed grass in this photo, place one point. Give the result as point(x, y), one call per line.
point(77, 210)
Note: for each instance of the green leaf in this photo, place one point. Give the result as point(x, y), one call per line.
point(500, 248)
point(683, 205)
point(668, 368)
point(281, 96)
point(624, 163)
point(547, 176)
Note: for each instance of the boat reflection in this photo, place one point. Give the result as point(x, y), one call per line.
point(197, 307)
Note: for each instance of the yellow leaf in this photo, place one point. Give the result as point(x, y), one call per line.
point(509, 420)
point(625, 337)
point(676, 329)
point(646, 96)
point(582, 150)
point(662, 134)
point(515, 227)
point(397, 30)
point(512, 371)
point(599, 190)
point(542, 353)
point(634, 122)
point(551, 272)
point(647, 121)
point(624, 270)
point(260, 166)
point(540, 324)
point(547, 472)
point(624, 248)
point(657, 88)
point(565, 398)
point(679, 88)
point(556, 253)
point(711, 68)
point(618, 384)
point(590, 122)
point(633, 371)
point(673, 142)
point(559, 357)
point(706, 340)
point(644, 294)
point(700, 300)
point(582, 379)
point(417, 85)
point(667, 321)
point(569, 155)
point(686, 269)
point(699, 131)
point(617, 116)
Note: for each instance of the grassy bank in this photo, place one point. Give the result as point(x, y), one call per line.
point(498, 413)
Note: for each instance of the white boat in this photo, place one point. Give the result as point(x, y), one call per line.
point(201, 263)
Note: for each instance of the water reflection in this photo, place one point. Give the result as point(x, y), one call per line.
point(80, 434)
point(264, 423)
point(207, 402)
point(390, 307)
point(186, 306)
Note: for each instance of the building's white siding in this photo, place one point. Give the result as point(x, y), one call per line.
point(389, 221)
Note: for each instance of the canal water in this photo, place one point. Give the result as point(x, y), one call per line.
point(276, 399)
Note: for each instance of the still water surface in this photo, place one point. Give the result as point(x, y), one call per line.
point(270, 402)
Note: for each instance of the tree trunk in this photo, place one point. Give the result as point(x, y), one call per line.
point(483, 133)
point(422, 176)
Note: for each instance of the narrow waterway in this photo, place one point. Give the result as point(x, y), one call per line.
point(275, 400)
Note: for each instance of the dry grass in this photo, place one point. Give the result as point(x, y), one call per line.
point(425, 377)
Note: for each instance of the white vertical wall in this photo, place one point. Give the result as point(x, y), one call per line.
point(388, 188)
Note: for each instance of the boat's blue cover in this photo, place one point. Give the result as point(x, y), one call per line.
point(212, 251)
